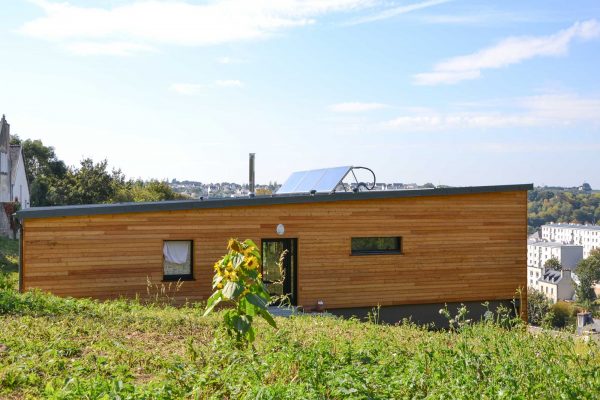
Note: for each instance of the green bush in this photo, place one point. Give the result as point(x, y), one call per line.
point(563, 314)
point(538, 307)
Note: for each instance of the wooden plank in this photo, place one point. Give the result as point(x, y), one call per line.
point(456, 248)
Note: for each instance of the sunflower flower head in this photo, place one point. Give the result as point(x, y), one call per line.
point(251, 263)
point(248, 251)
point(234, 245)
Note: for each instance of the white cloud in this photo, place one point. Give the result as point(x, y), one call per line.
point(461, 120)
point(534, 147)
point(485, 17)
point(187, 88)
point(509, 51)
point(178, 22)
point(395, 11)
point(108, 48)
point(229, 83)
point(195, 88)
point(356, 107)
point(549, 110)
point(229, 60)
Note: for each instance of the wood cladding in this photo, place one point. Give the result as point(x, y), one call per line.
point(468, 247)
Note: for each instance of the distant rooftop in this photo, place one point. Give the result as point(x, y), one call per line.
point(552, 244)
point(572, 226)
point(552, 276)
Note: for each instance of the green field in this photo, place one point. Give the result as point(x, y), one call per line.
point(81, 349)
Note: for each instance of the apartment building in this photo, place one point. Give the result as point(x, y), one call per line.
point(587, 236)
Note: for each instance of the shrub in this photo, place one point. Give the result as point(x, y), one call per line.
point(563, 313)
point(538, 307)
point(588, 271)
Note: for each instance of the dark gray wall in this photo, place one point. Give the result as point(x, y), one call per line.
point(423, 314)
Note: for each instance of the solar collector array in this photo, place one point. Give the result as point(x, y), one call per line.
point(324, 180)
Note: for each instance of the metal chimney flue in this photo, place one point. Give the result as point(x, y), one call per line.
point(251, 181)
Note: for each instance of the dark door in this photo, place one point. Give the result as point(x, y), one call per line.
point(279, 272)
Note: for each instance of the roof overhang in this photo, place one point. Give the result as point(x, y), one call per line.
point(174, 205)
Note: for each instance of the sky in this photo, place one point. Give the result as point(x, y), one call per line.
point(450, 92)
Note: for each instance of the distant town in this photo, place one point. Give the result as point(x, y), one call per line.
point(196, 189)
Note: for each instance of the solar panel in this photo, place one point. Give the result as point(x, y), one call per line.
point(324, 180)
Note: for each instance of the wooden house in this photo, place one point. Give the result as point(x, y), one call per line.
point(408, 251)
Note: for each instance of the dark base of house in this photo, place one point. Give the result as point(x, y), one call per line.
point(425, 314)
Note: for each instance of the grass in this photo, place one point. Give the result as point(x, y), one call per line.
point(9, 255)
point(9, 262)
point(60, 348)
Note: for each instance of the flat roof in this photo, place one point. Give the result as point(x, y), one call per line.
point(572, 226)
point(121, 208)
point(552, 244)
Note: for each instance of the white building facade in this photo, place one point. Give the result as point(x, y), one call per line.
point(13, 179)
point(556, 285)
point(587, 236)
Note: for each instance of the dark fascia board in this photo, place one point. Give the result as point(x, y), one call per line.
point(121, 208)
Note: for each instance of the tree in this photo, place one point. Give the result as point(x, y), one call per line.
point(153, 190)
point(553, 263)
point(53, 183)
point(588, 272)
point(38, 192)
point(537, 306)
point(41, 160)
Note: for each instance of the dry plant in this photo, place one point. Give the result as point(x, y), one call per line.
point(283, 300)
point(161, 293)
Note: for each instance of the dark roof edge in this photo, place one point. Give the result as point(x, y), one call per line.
point(121, 208)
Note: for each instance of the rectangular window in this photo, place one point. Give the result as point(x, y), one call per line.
point(177, 260)
point(376, 245)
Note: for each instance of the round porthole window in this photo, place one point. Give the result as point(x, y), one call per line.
point(280, 229)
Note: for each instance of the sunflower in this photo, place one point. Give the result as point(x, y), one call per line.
point(251, 263)
point(248, 251)
point(234, 245)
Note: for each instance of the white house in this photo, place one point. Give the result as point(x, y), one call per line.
point(13, 180)
point(587, 236)
point(556, 285)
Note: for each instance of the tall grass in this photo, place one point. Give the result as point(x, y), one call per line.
point(72, 349)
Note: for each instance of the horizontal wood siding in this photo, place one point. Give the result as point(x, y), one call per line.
point(456, 248)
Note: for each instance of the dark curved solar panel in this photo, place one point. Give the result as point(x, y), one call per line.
point(323, 180)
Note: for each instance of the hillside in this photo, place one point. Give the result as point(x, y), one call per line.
point(562, 205)
point(71, 349)
point(58, 348)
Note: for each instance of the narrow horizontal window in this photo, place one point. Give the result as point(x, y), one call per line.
point(376, 245)
point(177, 260)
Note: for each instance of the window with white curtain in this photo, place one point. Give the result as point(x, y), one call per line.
point(177, 259)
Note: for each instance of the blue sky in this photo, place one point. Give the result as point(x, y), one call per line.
point(449, 92)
